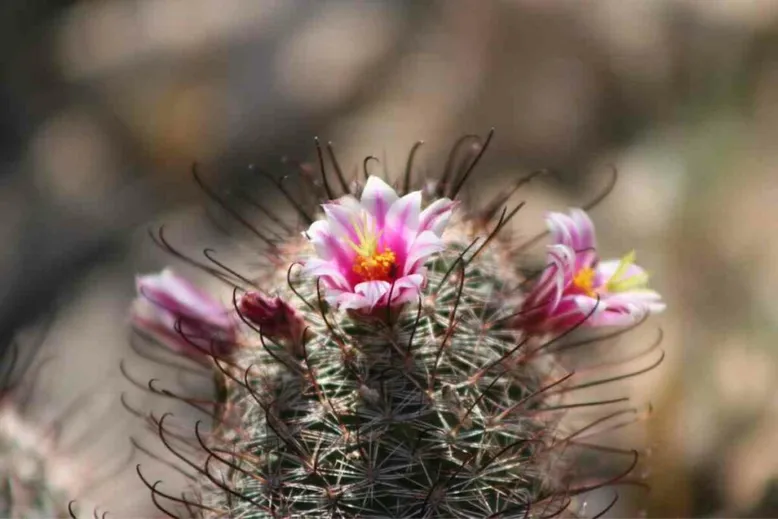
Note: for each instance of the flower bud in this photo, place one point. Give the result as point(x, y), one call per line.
point(176, 313)
point(274, 316)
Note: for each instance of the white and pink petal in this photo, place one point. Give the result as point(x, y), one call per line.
point(406, 288)
point(575, 231)
point(549, 289)
point(341, 220)
point(608, 268)
point(328, 271)
point(170, 292)
point(560, 226)
point(377, 198)
point(373, 291)
point(350, 301)
point(405, 212)
point(584, 236)
point(436, 216)
point(650, 300)
point(425, 245)
point(328, 247)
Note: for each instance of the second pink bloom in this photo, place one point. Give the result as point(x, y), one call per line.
point(577, 288)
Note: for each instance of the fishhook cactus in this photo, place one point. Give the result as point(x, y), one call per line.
point(396, 361)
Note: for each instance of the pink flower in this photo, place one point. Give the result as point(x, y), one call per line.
point(369, 248)
point(274, 316)
point(574, 279)
point(189, 321)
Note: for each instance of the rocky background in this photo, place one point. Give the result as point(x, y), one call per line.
point(105, 104)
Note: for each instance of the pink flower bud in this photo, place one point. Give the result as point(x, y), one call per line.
point(179, 315)
point(274, 316)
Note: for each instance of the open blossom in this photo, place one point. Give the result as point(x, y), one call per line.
point(374, 249)
point(576, 284)
point(189, 321)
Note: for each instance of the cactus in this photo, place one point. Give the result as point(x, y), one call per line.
point(36, 482)
point(38, 478)
point(416, 380)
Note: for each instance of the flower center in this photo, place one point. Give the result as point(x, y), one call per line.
point(377, 267)
point(370, 263)
point(583, 280)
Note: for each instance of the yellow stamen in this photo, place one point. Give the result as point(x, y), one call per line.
point(584, 281)
point(376, 267)
point(370, 263)
point(367, 237)
point(617, 283)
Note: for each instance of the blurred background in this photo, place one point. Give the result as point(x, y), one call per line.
point(105, 104)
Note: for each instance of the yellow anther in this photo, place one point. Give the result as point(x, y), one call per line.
point(618, 283)
point(369, 263)
point(377, 267)
point(584, 281)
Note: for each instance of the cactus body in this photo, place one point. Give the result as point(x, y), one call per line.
point(427, 413)
point(348, 402)
point(37, 482)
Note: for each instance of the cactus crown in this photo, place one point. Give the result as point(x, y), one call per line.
point(435, 404)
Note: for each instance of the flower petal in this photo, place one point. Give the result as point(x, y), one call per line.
point(317, 234)
point(406, 288)
point(342, 220)
point(546, 297)
point(563, 259)
point(404, 213)
point(328, 247)
point(435, 217)
point(584, 237)
point(560, 226)
point(606, 269)
point(650, 300)
point(571, 311)
point(575, 231)
point(425, 244)
point(377, 198)
point(349, 202)
point(373, 291)
point(169, 292)
point(175, 312)
point(617, 316)
point(351, 301)
point(327, 270)
point(614, 311)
